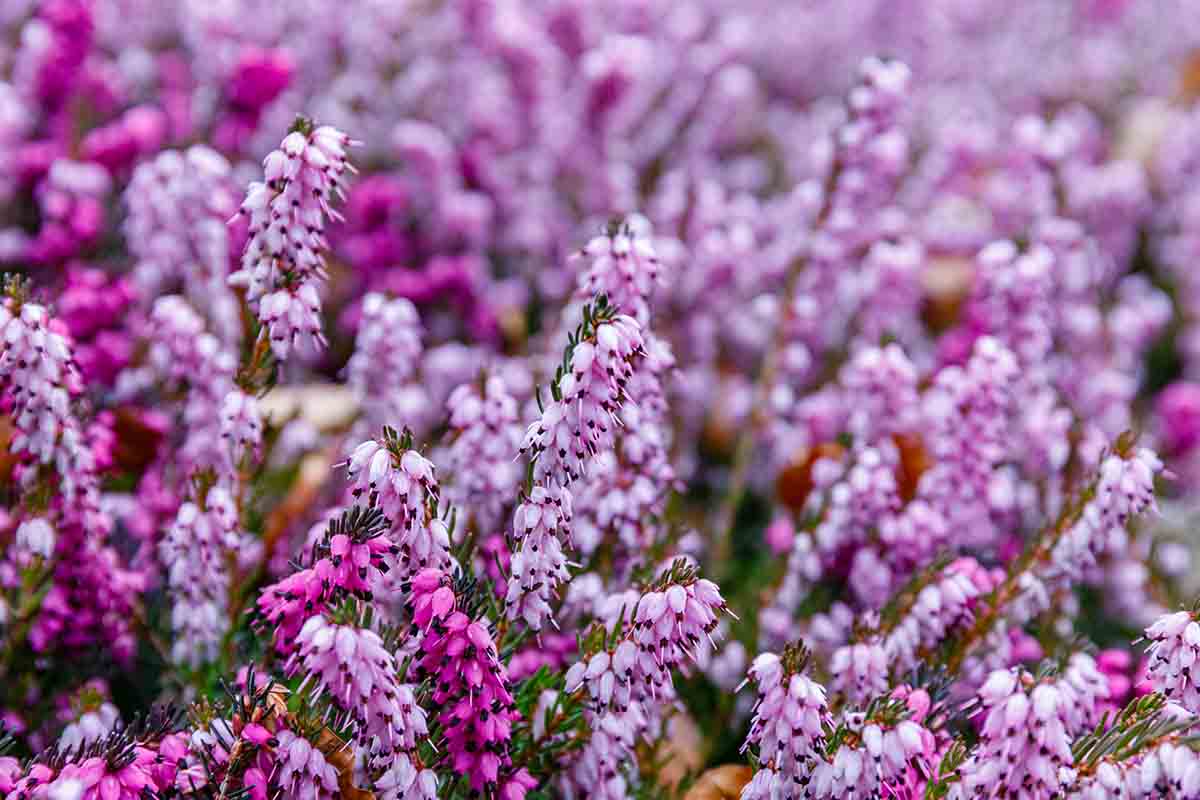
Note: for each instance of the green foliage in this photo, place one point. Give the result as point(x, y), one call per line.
point(1142, 724)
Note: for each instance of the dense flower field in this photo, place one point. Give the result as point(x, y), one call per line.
point(599, 399)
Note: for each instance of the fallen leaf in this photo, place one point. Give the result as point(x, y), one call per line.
point(342, 758)
point(721, 783)
point(794, 482)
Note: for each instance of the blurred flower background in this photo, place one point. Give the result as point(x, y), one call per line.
point(608, 398)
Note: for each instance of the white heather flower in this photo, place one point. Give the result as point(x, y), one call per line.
point(404, 486)
point(541, 528)
point(576, 427)
point(624, 267)
point(184, 353)
point(284, 261)
point(35, 537)
point(179, 206)
point(1173, 656)
point(91, 726)
point(860, 671)
point(355, 669)
point(38, 374)
point(387, 355)
point(1125, 491)
point(195, 554)
point(241, 426)
point(1025, 742)
point(788, 726)
point(303, 769)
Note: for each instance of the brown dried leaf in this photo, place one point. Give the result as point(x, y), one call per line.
point(721, 783)
point(1189, 77)
point(136, 442)
point(315, 469)
point(946, 282)
point(7, 460)
point(681, 754)
point(794, 482)
point(914, 461)
point(342, 758)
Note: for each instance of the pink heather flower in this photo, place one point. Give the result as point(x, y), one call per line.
point(486, 436)
point(470, 684)
point(35, 776)
point(89, 605)
point(95, 779)
point(352, 666)
point(303, 770)
point(780, 535)
point(1178, 409)
point(403, 485)
point(116, 146)
point(342, 564)
point(195, 555)
point(284, 263)
point(286, 605)
point(431, 598)
point(552, 650)
point(1115, 661)
point(172, 751)
point(541, 529)
point(258, 78)
point(577, 427)
point(71, 201)
point(94, 307)
point(1025, 741)
point(1174, 648)
point(624, 267)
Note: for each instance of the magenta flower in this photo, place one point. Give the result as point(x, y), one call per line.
point(470, 684)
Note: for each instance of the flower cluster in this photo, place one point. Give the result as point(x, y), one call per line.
point(1174, 646)
point(194, 553)
point(470, 684)
point(283, 265)
point(851, 348)
point(628, 679)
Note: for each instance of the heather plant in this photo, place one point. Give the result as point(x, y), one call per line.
point(612, 400)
